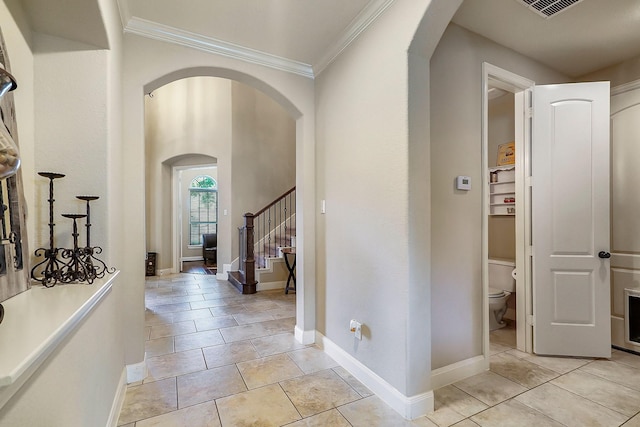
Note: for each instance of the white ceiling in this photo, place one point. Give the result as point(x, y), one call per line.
point(303, 36)
point(586, 37)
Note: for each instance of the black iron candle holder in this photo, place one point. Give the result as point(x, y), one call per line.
point(75, 270)
point(95, 265)
point(78, 264)
point(50, 266)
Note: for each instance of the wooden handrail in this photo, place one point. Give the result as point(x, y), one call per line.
point(274, 202)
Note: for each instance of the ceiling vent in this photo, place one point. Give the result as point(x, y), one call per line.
point(548, 8)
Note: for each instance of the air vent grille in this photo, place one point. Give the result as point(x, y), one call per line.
point(548, 8)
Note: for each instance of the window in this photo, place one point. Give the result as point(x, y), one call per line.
point(203, 208)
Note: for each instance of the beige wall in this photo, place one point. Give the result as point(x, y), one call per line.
point(363, 263)
point(456, 70)
point(622, 73)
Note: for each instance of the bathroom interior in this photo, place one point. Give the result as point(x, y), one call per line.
point(501, 219)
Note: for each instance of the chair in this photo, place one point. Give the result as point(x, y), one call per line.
point(210, 248)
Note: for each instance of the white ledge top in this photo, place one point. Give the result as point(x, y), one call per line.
point(36, 321)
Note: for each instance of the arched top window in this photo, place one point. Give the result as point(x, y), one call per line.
point(204, 181)
point(203, 208)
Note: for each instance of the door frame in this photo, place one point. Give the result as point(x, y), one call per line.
point(493, 76)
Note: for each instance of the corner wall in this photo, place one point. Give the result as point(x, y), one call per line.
point(456, 88)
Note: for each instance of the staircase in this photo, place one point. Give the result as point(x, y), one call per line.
point(261, 239)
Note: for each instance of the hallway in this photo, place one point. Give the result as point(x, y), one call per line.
point(220, 359)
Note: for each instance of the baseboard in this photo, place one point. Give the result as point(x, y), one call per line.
point(304, 337)
point(118, 400)
point(410, 407)
point(458, 371)
point(192, 258)
point(137, 371)
point(268, 286)
point(164, 272)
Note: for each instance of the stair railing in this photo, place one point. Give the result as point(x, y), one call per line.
point(266, 231)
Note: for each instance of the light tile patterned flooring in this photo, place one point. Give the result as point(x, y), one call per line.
point(220, 359)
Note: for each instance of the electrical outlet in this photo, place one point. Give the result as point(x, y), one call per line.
point(356, 328)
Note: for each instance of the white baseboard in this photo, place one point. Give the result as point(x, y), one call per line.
point(410, 407)
point(458, 371)
point(267, 286)
point(118, 400)
point(192, 258)
point(304, 337)
point(137, 371)
point(164, 272)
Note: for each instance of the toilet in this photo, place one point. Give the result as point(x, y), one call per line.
point(502, 283)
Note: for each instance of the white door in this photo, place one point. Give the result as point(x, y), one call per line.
point(570, 220)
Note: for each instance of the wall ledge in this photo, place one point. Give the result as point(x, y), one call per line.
point(37, 321)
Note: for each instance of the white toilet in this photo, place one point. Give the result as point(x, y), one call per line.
point(502, 283)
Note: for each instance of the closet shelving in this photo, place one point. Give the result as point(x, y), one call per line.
point(502, 190)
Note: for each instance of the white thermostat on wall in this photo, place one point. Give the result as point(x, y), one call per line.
point(463, 183)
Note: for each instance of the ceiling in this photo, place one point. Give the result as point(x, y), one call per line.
point(303, 36)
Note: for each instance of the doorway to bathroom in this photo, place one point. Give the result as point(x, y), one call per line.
point(569, 303)
point(506, 141)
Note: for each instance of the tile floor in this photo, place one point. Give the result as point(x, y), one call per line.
point(218, 358)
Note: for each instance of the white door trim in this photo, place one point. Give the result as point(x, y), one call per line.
point(493, 76)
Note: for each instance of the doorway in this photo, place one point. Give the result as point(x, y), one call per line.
point(506, 210)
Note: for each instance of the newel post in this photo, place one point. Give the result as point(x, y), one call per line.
point(249, 261)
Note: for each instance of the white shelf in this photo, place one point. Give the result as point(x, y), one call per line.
point(504, 187)
point(38, 320)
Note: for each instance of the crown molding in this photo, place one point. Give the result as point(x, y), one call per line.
point(627, 87)
point(145, 28)
point(156, 31)
point(365, 18)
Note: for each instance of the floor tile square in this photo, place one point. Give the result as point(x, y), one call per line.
point(520, 371)
point(265, 406)
point(209, 323)
point(318, 392)
point(148, 400)
point(312, 359)
point(507, 413)
point(373, 412)
point(226, 354)
point(331, 418)
point(174, 364)
point(569, 409)
point(198, 340)
point(274, 344)
point(202, 415)
point(173, 329)
point(614, 396)
point(159, 346)
point(268, 370)
point(490, 388)
point(211, 384)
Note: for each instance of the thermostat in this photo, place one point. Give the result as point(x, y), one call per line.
point(463, 183)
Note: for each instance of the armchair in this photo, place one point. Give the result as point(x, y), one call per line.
point(210, 248)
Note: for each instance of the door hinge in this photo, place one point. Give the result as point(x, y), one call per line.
point(531, 320)
point(529, 112)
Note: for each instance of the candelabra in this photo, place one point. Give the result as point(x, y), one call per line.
point(50, 266)
point(78, 264)
point(96, 267)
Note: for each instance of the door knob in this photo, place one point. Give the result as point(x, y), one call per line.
point(604, 254)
